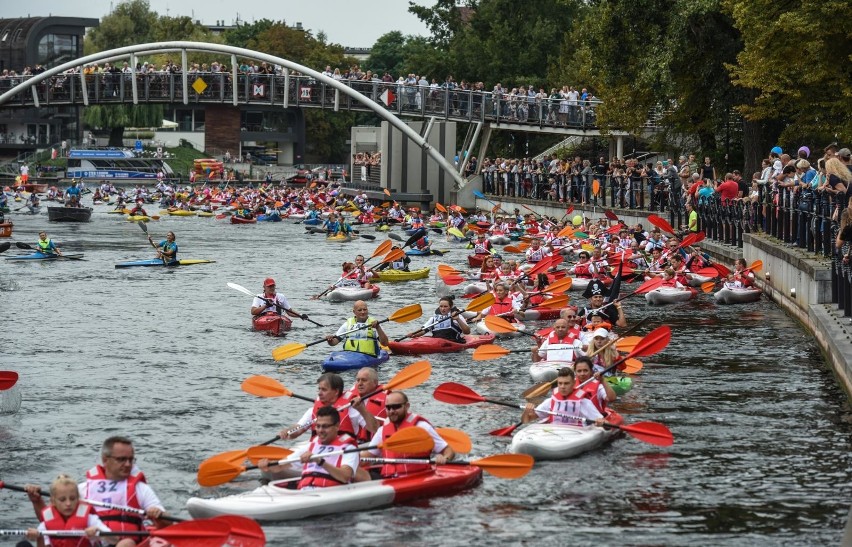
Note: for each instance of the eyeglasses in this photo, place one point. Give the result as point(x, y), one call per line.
point(394, 406)
point(129, 459)
point(324, 426)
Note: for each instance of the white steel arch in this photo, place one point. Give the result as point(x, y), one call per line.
point(182, 46)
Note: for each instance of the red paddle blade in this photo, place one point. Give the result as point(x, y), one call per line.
point(451, 279)
point(195, 533)
point(650, 432)
point(650, 285)
point(540, 266)
point(8, 378)
point(456, 394)
point(707, 272)
point(653, 342)
point(688, 240)
point(610, 215)
point(661, 223)
point(245, 532)
point(722, 269)
point(505, 431)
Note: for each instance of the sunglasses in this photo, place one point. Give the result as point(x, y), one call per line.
point(394, 407)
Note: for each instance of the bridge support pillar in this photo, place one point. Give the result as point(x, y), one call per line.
point(222, 128)
point(619, 147)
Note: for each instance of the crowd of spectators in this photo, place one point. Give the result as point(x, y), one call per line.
point(364, 162)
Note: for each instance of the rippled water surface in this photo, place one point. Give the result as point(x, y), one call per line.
point(763, 437)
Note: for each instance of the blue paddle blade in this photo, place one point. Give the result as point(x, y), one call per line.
point(479, 194)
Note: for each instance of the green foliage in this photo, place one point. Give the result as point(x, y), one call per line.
point(131, 22)
point(387, 54)
point(241, 34)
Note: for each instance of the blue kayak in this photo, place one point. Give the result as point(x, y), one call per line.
point(157, 262)
point(417, 252)
point(312, 221)
point(269, 218)
point(41, 256)
point(348, 360)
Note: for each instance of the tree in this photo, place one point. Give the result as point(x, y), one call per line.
point(131, 22)
point(116, 117)
point(387, 54)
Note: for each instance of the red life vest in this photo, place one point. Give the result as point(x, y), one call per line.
point(590, 391)
point(79, 520)
point(564, 405)
point(397, 469)
point(502, 306)
point(99, 488)
point(346, 426)
point(313, 473)
point(537, 299)
point(482, 247)
point(375, 405)
point(583, 270)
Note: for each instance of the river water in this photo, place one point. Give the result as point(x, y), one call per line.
point(763, 436)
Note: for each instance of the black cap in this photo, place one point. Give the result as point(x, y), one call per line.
point(596, 287)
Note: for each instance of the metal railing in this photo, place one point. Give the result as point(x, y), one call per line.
point(303, 91)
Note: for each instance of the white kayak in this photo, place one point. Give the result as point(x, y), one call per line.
point(669, 295)
point(557, 442)
point(482, 328)
point(274, 503)
point(477, 287)
point(545, 371)
point(738, 295)
point(696, 280)
point(580, 283)
point(500, 240)
point(344, 294)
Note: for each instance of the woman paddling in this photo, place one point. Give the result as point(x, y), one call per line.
point(166, 249)
point(444, 325)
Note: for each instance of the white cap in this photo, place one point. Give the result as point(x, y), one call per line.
point(602, 332)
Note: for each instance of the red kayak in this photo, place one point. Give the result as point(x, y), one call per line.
point(541, 314)
point(428, 344)
point(241, 220)
point(475, 261)
point(272, 323)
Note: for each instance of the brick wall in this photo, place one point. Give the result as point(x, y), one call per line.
point(222, 128)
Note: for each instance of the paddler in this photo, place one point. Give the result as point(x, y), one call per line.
point(72, 195)
point(138, 210)
point(116, 480)
point(504, 305)
point(443, 324)
point(400, 417)
point(481, 245)
point(273, 302)
point(351, 421)
point(596, 291)
point(399, 265)
point(65, 512)
point(46, 246)
point(565, 400)
point(365, 340)
point(320, 471)
point(166, 249)
point(367, 381)
point(562, 344)
point(599, 393)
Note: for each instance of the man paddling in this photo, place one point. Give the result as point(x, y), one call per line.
point(566, 401)
point(46, 246)
point(596, 291)
point(365, 340)
point(166, 249)
point(400, 417)
point(562, 344)
point(366, 382)
point(273, 302)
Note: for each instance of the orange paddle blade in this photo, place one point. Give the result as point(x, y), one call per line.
point(566, 232)
point(708, 286)
point(383, 248)
point(386, 192)
point(627, 343)
point(498, 324)
point(271, 453)
point(487, 352)
point(513, 249)
point(456, 438)
point(394, 255)
point(538, 390)
point(756, 266)
point(214, 473)
point(410, 440)
point(440, 207)
point(446, 269)
point(235, 457)
point(556, 302)
point(264, 386)
point(523, 246)
point(411, 376)
point(408, 313)
point(506, 466)
point(560, 285)
point(633, 365)
point(481, 302)
point(596, 187)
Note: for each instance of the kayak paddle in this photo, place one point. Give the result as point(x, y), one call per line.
point(486, 352)
point(500, 325)
point(661, 223)
point(383, 248)
point(505, 466)
point(191, 533)
point(402, 315)
point(476, 305)
point(244, 290)
point(458, 440)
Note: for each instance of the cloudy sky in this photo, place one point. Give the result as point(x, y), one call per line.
point(346, 22)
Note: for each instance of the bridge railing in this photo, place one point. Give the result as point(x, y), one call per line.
point(271, 89)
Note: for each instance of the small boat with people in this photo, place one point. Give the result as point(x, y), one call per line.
point(423, 345)
point(669, 295)
point(156, 262)
point(737, 295)
point(271, 323)
point(349, 294)
point(352, 360)
point(403, 275)
point(69, 214)
point(560, 441)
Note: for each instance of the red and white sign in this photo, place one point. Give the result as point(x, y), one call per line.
point(257, 90)
point(387, 97)
point(305, 93)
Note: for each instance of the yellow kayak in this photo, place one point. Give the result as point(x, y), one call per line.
point(119, 212)
point(401, 275)
point(178, 213)
point(204, 214)
point(137, 218)
point(341, 238)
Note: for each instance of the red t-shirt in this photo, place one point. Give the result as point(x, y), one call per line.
point(728, 190)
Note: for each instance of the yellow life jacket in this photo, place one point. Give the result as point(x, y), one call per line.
point(368, 345)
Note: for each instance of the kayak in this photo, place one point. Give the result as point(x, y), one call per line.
point(558, 441)
point(476, 260)
point(269, 218)
point(402, 275)
point(348, 360)
point(41, 256)
point(311, 221)
point(271, 323)
point(697, 280)
point(737, 295)
point(158, 262)
point(204, 214)
point(428, 252)
point(546, 371)
point(482, 328)
point(119, 212)
point(340, 238)
point(344, 294)
point(274, 503)
point(137, 218)
point(241, 220)
point(669, 295)
point(423, 345)
point(477, 287)
point(179, 213)
point(500, 240)
point(541, 314)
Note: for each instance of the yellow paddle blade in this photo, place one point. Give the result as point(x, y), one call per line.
point(408, 313)
point(456, 438)
point(756, 266)
point(560, 285)
point(455, 232)
point(498, 324)
point(512, 249)
point(708, 286)
point(214, 473)
point(506, 466)
point(234, 457)
point(539, 390)
point(411, 376)
point(627, 343)
point(587, 247)
point(383, 248)
point(288, 350)
point(487, 352)
point(632, 365)
point(271, 453)
point(411, 440)
point(555, 302)
point(480, 302)
point(264, 386)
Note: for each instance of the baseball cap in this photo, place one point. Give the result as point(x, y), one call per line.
point(603, 333)
point(268, 282)
point(844, 152)
point(776, 150)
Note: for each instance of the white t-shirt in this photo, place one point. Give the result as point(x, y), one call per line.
point(582, 407)
point(358, 422)
point(560, 351)
point(279, 298)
